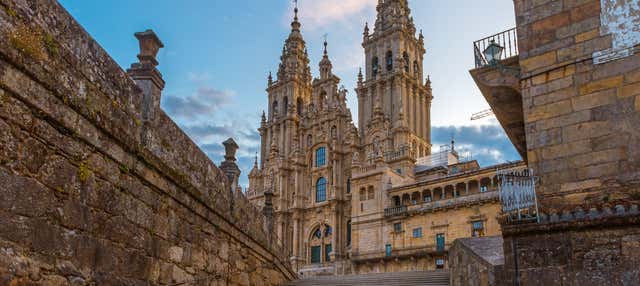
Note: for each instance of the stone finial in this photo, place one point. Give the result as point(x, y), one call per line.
point(229, 166)
point(150, 44)
point(230, 148)
point(146, 75)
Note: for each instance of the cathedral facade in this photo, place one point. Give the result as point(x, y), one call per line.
point(342, 194)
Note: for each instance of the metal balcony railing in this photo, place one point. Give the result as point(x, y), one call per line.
point(518, 194)
point(508, 40)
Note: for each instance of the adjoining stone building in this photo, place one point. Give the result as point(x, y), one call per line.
point(568, 95)
point(372, 198)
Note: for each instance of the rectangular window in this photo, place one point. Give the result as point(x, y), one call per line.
point(387, 250)
point(372, 194)
point(315, 254)
point(327, 252)
point(321, 190)
point(397, 227)
point(440, 263)
point(478, 229)
point(321, 157)
point(440, 242)
point(427, 198)
point(417, 232)
point(484, 189)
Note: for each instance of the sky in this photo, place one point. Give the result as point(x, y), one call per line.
point(218, 54)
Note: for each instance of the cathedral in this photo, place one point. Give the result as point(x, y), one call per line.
point(371, 198)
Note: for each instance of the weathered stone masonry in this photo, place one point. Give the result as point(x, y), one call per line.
point(92, 192)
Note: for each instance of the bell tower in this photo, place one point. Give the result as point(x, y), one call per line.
point(394, 99)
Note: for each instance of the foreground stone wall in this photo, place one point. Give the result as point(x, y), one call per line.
point(597, 252)
point(92, 193)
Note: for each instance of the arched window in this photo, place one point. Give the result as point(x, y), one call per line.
point(348, 185)
point(309, 140)
point(334, 132)
point(389, 61)
point(320, 244)
point(321, 190)
point(375, 66)
point(285, 106)
point(405, 57)
point(300, 106)
point(321, 155)
point(416, 68)
point(274, 109)
point(328, 231)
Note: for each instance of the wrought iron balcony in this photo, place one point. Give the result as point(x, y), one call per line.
point(507, 41)
point(395, 211)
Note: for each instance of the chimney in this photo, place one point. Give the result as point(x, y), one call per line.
point(146, 75)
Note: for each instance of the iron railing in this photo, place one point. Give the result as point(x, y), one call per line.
point(508, 40)
point(518, 194)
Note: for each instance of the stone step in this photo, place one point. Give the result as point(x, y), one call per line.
point(424, 278)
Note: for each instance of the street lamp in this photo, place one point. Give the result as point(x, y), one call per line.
point(493, 52)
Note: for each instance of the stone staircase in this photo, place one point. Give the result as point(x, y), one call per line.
point(423, 278)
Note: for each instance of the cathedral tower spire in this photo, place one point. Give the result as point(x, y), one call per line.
point(394, 81)
point(325, 64)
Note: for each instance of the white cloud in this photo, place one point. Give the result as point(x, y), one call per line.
point(202, 103)
point(319, 13)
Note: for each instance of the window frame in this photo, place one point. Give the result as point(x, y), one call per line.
point(321, 190)
point(321, 156)
point(397, 227)
point(417, 232)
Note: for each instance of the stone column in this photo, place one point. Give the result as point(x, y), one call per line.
point(335, 248)
point(467, 188)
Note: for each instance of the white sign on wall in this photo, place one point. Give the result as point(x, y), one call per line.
point(621, 20)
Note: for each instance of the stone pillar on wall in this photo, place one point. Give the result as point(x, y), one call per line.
point(229, 166)
point(267, 211)
point(146, 75)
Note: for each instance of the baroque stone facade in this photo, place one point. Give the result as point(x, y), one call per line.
point(372, 198)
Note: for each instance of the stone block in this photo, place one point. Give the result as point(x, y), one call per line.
point(612, 82)
point(587, 35)
point(564, 120)
point(536, 62)
point(586, 130)
point(581, 185)
point(604, 170)
point(551, 110)
point(595, 99)
point(588, 10)
point(632, 77)
point(599, 157)
point(629, 90)
point(566, 149)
